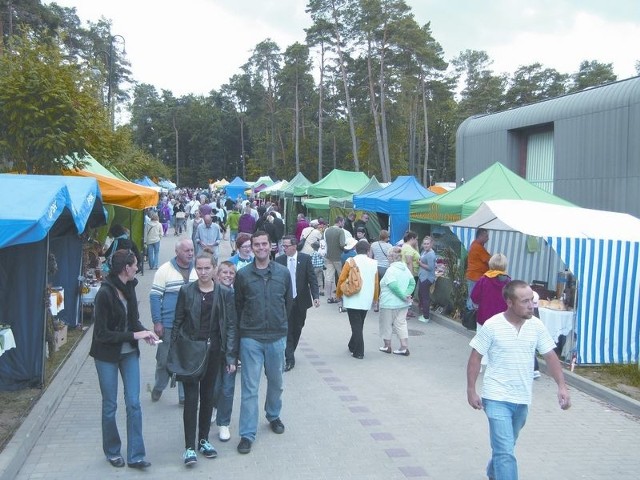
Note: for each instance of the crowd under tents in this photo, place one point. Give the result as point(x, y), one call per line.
point(601, 249)
point(40, 215)
point(394, 200)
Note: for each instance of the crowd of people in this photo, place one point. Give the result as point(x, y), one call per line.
point(251, 309)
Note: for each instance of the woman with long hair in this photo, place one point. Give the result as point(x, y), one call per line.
point(205, 310)
point(114, 347)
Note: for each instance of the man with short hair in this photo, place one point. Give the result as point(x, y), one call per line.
point(301, 224)
point(334, 237)
point(363, 223)
point(163, 298)
point(348, 223)
point(264, 299)
point(509, 340)
point(232, 222)
point(305, 293)
point(208, 236)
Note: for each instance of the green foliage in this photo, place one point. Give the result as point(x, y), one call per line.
point(456, 273)
point(47, 108)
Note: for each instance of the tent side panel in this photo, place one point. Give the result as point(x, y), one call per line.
point(22, 290)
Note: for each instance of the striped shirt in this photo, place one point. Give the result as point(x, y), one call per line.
point(509, 375)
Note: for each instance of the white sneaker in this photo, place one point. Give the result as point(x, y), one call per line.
point(422, 319)
point(224, 434)
point(536, 374)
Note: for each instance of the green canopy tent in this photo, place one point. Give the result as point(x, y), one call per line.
point(336, 184)
point(495, 183)
point(287, 194)
point(345, 202)
point(298, 181)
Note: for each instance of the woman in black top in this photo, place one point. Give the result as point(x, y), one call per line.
point(205, 311)
point(116, 332)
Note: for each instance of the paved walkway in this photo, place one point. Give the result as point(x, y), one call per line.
point(384, 417)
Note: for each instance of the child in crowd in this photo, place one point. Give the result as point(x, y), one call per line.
point(226, 382)
point(317, 260)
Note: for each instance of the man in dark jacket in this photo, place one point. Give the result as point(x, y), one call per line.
point(264, 299)
point(305, 293)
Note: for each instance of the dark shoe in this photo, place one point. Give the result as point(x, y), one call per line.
point(359, 357)
point(385, 349)
point(332, 300)
point(289, 366)
point(244, 446)
point(140, 465)
point(277, 426)
point(155, 395)
point(117, 462)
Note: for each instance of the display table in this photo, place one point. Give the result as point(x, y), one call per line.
point(558, 322)
point(7, 342)
point(89, 297)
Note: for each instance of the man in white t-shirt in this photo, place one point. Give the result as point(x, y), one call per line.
point(509, 341)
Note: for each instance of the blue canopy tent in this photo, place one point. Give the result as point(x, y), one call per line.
point(236, 189)
point(147, 182)
point(394, 200)
point(39, 215)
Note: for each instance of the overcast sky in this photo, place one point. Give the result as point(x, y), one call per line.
point(194, 46)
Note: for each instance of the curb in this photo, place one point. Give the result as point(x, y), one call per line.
point(600, 392)
point(17, 450)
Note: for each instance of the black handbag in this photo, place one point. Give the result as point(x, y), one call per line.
point(187, 358)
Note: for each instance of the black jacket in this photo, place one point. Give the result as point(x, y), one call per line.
point(112, 325)
point(263, 301)
point(306, 280)
point(224, 312)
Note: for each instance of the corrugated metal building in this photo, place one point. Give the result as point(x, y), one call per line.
point(583, 147)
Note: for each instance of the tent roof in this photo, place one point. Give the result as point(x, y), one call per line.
point(296, 182)
point(266, 180)
point(337, 183)
point(548, 220)
point(119, 192)
point(33, 203)
point(146, 182)
point(495, 183)
point(94, 166)
point(346, 201)
point(238, 182)
point(393, 199)
point(317, 203)
point(275, 188)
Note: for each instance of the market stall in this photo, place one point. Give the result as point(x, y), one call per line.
point(601, 248)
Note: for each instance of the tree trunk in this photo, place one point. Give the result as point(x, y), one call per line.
point(376, 121)
point(297, 129)
point(320, 115)
point(425, 174)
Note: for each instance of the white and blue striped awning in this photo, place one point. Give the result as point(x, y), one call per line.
point(602, 249)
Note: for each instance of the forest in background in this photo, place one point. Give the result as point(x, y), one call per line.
point(369, 90)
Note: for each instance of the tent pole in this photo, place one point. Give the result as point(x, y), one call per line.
point(44, 316)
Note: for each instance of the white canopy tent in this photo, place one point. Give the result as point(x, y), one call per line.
point(602, 249)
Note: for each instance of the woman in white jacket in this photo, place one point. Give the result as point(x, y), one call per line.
point(152, 237)
point(358, 304)
point(396, 288)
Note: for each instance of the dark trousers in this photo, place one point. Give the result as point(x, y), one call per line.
point(356, 319)
point(296, 323)
point(424, 291)
point(202, 390)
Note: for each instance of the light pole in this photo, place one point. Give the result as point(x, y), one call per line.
point(177, 151)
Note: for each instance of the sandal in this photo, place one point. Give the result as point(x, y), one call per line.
point(332, 300)
point(385, 349)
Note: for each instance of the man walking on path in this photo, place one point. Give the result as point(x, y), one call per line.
point(263, 302)
point(305, 293)
point(208, 236)
point(510, 340)
point(335, 240)
point(163, 298)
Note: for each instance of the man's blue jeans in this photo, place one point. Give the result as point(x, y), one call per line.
point(129, 368)
point(470, 285)
point(505, 422)
point(225, 389)
point(254, 355)
point(153, 252)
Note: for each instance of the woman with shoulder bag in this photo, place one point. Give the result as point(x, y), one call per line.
point(204, 312)
point(380, 252)
point(114, 347)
